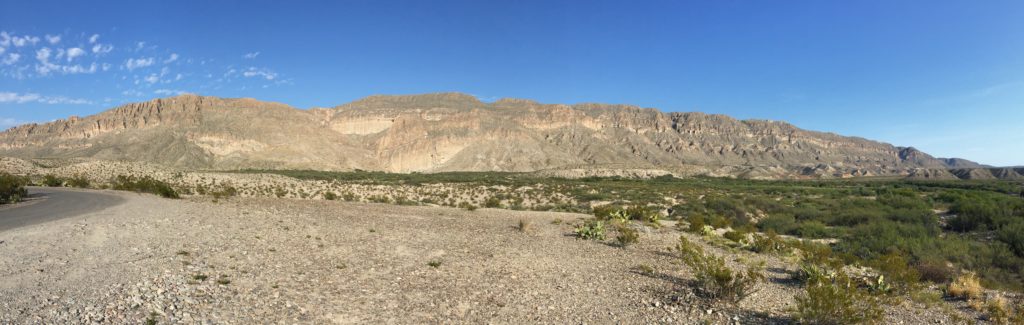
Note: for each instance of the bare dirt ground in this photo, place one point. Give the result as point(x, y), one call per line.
point(259, 260)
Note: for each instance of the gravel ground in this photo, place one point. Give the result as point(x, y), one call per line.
point(258, 260)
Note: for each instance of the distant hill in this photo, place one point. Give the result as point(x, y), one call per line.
point(457, 132)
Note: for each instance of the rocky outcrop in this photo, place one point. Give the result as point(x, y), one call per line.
point(457, 132)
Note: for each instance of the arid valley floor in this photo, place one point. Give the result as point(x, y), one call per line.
point(266, 260)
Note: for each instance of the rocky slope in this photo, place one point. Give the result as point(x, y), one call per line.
point(457, 132)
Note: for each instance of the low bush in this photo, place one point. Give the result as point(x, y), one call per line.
point(12, 188)
point(966, 287)
point(627, 235)
point(145, 184)
point(330, 196)
point(769, 243)
point(836, 300)
point(53, 181)
point(998, 310)
point(524, 225)
point(714, 279)
point(735, 235)
point(934, 271)
point(591, 230)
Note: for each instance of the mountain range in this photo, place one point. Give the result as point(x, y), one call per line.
point(458, 132)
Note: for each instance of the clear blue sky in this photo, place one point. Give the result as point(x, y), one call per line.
point(944, 76)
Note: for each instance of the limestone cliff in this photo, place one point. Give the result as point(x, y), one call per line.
point(457, 132)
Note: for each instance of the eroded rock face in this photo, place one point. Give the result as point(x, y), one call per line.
point(457, 132)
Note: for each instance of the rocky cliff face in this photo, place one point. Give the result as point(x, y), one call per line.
point(457, 132)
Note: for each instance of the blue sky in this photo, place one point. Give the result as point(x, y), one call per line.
point(946, 77)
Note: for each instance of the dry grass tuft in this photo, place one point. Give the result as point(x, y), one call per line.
point(966, 286)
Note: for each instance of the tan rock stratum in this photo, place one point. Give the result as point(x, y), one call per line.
point(457, 132)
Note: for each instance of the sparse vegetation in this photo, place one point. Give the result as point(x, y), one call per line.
point(145, 185)
point(524, 225)
point(833, 298)
point(434, 264)
point(12, 188)
point(966, 287)
point(591, 230)
point(715, 279)
point(627, 235)
point(330, 196)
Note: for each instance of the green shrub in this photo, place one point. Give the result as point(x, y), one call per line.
point(145, 184)
point(901, 276)
point(714, 279)
point(492, 202)
point(627, 235)
point(53, 181)
point(12, 188)
point(78, 181)
point(330, 196)
point(591, 230)
point(935, 271)
point(605, 212)
point(643, 213)
point(736, 236)
point(769, 243)
point(836, 300)
point(696, 222)
point(462, 205)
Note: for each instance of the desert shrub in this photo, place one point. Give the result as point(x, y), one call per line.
point(934, 271)
point(12, 188)
point(696, 223)
point(330, 196)
point(627, 235)
point(605, 212)
point(966, 286)
point(836, 300)
point(719, 222)
point(53, 181)
point(770, 243)
point(144, 184)
point(492, 202)
point(591, 230)
point(223, 192)
point(78, 181)
point(811, 273)
point(714, 278)
point(998, 310)
point(898, 273)
point(735, 235)
point(643, 213)
point(524, 225)
point(462, 205)
point(1013, 235)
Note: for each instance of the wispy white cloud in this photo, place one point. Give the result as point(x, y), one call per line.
point(132, 93)
point(172, 58)
point(16, 98)
point(74, 52)
point(169, 92)
point(53, 39)
point(259, 72)
point(252, 55)
point(102, 48)
point(17, 41)
point(94, 38)
point(132, 64)
point(11, 58)
point(45, 67)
